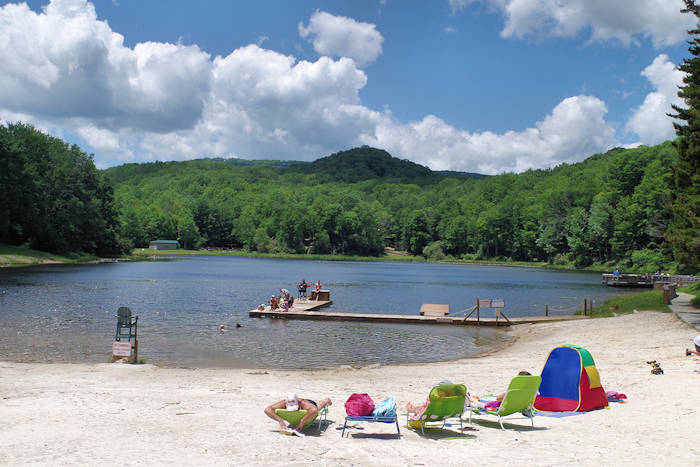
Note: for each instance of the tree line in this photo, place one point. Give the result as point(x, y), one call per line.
point(53, 198)
point(611, 209)
point(607, 209)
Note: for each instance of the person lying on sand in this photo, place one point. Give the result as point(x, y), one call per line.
point(293, 402)
point(696, 341)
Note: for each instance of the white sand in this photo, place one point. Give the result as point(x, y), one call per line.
point(140, 414)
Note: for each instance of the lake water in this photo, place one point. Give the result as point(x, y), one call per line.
point(67, 313)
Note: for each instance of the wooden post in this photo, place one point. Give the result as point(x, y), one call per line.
point(546, 310)
point(590, 307)
point(585, 306)
point(477, 310)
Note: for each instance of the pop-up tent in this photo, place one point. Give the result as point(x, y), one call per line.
point(570, 382)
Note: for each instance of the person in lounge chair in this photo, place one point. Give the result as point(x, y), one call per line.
point(696, 341)
point(293, 402)
point(416, 410)
point(473, 401)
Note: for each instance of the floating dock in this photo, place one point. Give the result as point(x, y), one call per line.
point(308, 310)
point(644, 280)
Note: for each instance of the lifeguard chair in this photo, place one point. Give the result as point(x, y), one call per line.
point(127, 329)
point(127, 325)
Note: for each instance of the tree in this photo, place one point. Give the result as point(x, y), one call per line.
point(188, 234)
point(53, 197)
point(683, 230)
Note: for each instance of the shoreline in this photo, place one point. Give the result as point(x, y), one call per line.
point(388, 258)
point(512, 338)
point(72, 413)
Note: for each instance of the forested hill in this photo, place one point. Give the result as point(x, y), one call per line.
point(605, 210)
point(354, 165)
point(366, 163)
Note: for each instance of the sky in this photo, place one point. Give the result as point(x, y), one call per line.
point(486, 86)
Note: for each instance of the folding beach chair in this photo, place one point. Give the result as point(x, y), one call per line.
point(446, 401)
point(519, 399)
point(384, 412)
point(373, 419)
point(293, 417)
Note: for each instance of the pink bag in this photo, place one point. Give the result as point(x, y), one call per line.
point(359, 405)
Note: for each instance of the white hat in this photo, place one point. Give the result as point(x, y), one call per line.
point(696, 341)
point(292, 401)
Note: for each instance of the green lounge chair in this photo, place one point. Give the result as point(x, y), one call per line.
point(293, 417)
point(446, 401)
point(519, 398)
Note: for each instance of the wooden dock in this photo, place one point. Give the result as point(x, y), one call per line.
point(644, 280)
point(308, 312)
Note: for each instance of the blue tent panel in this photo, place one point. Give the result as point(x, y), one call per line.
point(561, 374)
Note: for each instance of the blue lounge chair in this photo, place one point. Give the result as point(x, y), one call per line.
point(373, 419)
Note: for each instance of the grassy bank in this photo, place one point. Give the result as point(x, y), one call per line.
point(651, 300)
point(388, 257)
point(693, 290)
point(22, 256)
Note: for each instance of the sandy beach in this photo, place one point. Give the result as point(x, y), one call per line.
point(110, 414)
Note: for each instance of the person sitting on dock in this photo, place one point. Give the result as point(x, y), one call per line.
point(293, 402)
point(274, 303)
point(287, 299)
point(285, 294)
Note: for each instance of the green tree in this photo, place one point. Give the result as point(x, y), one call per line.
point(683, 232)
point(53, 197)
point(188, 234)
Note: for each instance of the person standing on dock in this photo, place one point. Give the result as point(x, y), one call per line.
point(317, 290)
point(301, 287)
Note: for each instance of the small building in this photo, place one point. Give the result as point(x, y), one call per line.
point(163, 245)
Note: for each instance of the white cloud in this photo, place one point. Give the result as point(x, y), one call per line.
point(65, 63)
point(66, 71)
point(625, 21)
point(650, 120)
point(339, 36)
point(107, 143)
point(458, 5)
point(574, 130)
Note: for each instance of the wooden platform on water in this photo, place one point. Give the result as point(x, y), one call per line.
point(308, 310)
point(644, 280)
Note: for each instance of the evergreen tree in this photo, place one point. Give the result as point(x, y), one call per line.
point(683, 231)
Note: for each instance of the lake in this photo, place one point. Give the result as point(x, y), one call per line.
point(67, 313)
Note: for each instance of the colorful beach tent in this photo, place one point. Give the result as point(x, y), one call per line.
point(570, 382)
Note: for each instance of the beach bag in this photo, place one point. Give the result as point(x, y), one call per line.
point(386, 408)
point(359, 405)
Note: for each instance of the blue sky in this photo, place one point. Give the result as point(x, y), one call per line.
point(484, 86)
